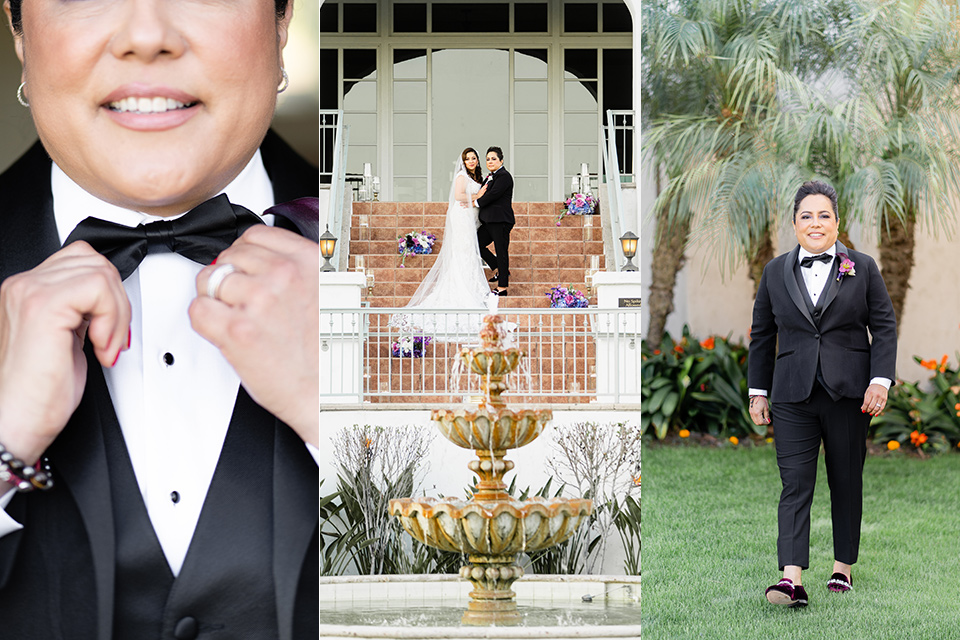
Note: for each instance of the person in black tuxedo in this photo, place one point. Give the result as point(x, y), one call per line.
point(496, 219)
point(823, 344)
point(158, 335)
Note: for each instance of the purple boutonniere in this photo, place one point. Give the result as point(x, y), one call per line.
point(846, 266)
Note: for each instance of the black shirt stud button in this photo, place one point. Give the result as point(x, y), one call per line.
point(186, 629)
point(175, 497)
point(168, 359)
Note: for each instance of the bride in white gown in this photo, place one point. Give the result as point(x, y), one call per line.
point(456, 280)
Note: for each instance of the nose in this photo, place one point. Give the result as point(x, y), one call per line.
point(146, 31)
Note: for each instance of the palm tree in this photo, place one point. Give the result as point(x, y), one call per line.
point(710, 77)
point(907, 73)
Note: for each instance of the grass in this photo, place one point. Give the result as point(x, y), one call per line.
point(710, 527)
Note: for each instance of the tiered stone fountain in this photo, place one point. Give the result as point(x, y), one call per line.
point(492, 528)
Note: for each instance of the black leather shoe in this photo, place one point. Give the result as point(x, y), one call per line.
point(494, 278)
point(785, 592)
point(839, 583)
point(498, 292)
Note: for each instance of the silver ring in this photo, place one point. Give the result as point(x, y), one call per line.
point(216, 279)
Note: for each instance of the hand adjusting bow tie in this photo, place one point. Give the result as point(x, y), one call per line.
point(809, 260)
point(200, 235)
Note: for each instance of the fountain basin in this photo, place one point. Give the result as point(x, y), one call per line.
point(428, 606)
point(490, 528)
point(491, 362)
point(491, 430)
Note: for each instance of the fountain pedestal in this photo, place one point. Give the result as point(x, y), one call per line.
point(491, 528)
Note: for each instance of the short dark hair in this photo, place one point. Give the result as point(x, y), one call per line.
point(498, 151)
point(815, 188)
point(17, 20)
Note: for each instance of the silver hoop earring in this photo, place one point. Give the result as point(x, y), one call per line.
point(285, 82)
point(20, 98)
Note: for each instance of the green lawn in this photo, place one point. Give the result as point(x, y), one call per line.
point(709, 549)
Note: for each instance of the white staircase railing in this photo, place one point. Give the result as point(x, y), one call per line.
point(619, 125)
point(334, 138)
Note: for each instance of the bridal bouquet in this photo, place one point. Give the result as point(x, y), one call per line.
point(410, 346)
point(567, 298)
point(579, 204)
point(416, 243)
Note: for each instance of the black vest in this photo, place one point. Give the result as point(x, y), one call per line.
point(210, 598)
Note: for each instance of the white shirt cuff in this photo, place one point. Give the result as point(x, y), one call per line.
point(757, 392)
point(7, 524)
point(884, 382)
point(314, 451)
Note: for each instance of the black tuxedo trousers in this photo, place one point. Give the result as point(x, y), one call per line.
point(87, 564)
point(799, 428)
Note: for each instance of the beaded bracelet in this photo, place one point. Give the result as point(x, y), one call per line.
point(23, 476)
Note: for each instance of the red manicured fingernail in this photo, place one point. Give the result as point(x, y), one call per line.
point(129, 336)
point(214, 261)
point(115, 360)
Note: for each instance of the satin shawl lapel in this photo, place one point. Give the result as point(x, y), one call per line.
point(295, 519)
point(26, 215)
point(793, 288)
point(296, 511)
point(834, 286)
point(79, 456)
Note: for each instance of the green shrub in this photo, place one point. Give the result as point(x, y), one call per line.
point(699, 386)
point(926, 420)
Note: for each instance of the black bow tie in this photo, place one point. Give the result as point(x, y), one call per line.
point(200, 235)
point(809, 260)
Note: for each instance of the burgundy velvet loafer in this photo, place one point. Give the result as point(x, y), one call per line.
point(785, 592)
point(839, 583)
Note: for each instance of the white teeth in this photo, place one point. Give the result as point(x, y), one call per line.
point(146, 105)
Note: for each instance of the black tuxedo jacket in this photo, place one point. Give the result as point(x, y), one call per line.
point(57, 574)
point(496, 205)
point(787, 340)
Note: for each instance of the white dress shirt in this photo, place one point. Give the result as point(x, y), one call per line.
point(173, 391)
point(816, 277)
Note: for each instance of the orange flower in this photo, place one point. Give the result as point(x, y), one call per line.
point(956, 407)
point(367, 442)
point(734, 440)
point(921, 439)
point(684, 433)
point(917, 438)
point(636, 480)
point(893, 445)
point(943, 363)
point(677, 348)
point(656, 352)
point(709, 343)
point(928, 364)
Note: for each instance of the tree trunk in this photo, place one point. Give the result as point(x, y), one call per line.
point(668, 258)
point(896, 260)
point(760, 258)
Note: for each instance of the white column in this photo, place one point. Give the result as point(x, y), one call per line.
point(618, 336)
point(341, 338)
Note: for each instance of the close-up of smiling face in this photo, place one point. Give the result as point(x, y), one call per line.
point(471, 161)
point(151, 105)
point(816, 224)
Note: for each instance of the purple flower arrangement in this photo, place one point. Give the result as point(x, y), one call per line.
point(579, 204)
point(410, 346)
point(567, 298)
point(415, 243)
